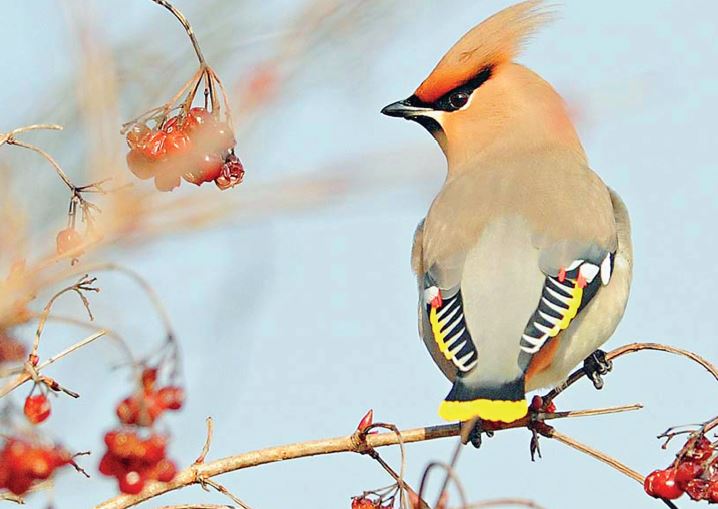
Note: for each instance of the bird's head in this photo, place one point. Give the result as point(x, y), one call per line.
point(477, 100)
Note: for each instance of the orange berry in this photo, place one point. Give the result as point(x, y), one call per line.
point(68, 240)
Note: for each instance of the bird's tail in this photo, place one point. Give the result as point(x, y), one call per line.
point(505, 402)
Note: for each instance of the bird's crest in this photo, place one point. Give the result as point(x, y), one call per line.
point(496, 40)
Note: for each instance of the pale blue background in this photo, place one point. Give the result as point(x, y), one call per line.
point(295, 324)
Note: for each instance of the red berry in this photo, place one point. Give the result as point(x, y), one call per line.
point(208, 168)
point(171, 397)
point(165, 470)
point(177, 143)
point(19, 483)
point(127, 411)
point(198, 117)
point(39, 464)
point(154, 148)
point(37, 408)
point(155, 447)
point(131, 483)
point(687, 471)
point(110, 465)
point(662, 484)
point(68, 240)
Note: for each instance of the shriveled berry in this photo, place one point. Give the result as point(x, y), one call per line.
point(68, 240)
point(697, 489)
point(699, 449)
point(37, 408)
point(131, 483)
point(137, 136)
point(662, 484)
point(232, 173)
point(711, 493)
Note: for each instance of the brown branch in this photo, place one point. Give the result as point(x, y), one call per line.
point(197, 506)
point(502, 502)
point(195, 473)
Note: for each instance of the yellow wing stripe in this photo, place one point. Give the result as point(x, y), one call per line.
point(571, 312)
point(487, 409)
point(438, 336)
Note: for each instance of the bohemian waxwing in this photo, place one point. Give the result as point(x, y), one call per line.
point(524, 258)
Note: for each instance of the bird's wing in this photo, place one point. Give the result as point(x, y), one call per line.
point(425, 328)
point(564, 295)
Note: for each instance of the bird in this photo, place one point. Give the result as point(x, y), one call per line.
point(524, 259)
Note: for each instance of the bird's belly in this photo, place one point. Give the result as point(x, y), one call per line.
point(501, 284)
point(590, 329)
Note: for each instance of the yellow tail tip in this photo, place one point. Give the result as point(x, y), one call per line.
point(486, 409)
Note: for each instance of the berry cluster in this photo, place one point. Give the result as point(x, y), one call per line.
point(194, 145)
point(695, 472)
point(22, 463)
point(145, 406)
point(133, 460)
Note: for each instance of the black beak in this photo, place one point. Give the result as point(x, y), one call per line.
point(404, 109)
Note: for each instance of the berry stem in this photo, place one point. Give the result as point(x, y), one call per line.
point(188, 28)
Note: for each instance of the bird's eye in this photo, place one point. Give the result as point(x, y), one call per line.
point(458, 100)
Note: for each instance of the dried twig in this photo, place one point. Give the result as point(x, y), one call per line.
point(25, 375)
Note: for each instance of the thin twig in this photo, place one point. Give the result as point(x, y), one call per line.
point(600, 456)
point(224, 491)
point(207, 442)
point(503, 502)
point(450, 474)
point(632, 348)
point(25, 375)
point(188, 28)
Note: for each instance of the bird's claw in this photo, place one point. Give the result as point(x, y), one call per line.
point(476, 432)
point(596, 366)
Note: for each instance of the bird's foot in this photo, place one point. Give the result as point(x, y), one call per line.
point(596, 366)
point(473, 433)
